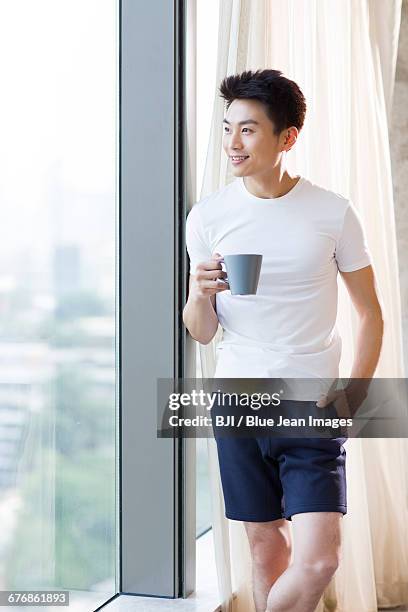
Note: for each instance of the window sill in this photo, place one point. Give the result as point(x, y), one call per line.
point(204, 599)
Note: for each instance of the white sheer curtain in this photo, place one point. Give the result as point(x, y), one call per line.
point(342, 53)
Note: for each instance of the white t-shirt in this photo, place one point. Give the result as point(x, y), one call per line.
point(288, 329)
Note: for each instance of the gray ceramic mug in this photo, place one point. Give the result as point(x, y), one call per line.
point(243, 270)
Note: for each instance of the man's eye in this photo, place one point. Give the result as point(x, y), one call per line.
point(226, 130)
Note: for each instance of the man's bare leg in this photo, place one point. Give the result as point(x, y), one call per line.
point(317, 541)
point(270, 546)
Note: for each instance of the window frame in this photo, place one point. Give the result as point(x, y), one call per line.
point(156, 477)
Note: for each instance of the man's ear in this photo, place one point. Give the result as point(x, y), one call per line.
point(290, 137)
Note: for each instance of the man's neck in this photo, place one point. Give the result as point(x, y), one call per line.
point(273, 185)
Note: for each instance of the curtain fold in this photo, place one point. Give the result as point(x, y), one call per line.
point(342, 53)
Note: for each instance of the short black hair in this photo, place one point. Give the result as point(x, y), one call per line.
point(282, 98)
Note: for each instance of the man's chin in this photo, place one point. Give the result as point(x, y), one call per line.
point(237, 171)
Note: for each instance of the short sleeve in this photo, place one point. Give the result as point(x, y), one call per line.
point(197, 247)
point(351, 249)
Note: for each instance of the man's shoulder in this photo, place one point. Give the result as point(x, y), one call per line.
point(327, 196)
point(213, 198)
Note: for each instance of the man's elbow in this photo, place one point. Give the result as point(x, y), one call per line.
point(375, 317)
point(206, 332)
point(202, 339)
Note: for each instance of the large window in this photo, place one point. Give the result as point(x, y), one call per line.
point(58, 65)
point(91, 501)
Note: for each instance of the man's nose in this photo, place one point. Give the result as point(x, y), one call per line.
point(236, 142)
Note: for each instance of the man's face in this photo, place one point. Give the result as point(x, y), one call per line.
point(248, 131)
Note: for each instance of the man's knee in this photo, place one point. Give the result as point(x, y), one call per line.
point(320, 570)
point(317, 544)
point(269, 542)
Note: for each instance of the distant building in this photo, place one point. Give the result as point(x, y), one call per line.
point(66, 269)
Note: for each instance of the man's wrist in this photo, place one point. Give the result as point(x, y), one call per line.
point(199, 298)
point(357, 388)
point(358, 383)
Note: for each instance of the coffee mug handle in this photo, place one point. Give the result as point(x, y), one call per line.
point(222, 280)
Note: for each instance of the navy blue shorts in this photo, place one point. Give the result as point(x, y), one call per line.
point(265, 479)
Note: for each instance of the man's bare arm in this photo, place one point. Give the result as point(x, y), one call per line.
point(361, 287)
point(199, 314)
point(362, 290)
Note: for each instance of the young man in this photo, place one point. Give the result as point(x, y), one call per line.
point(306, 234)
